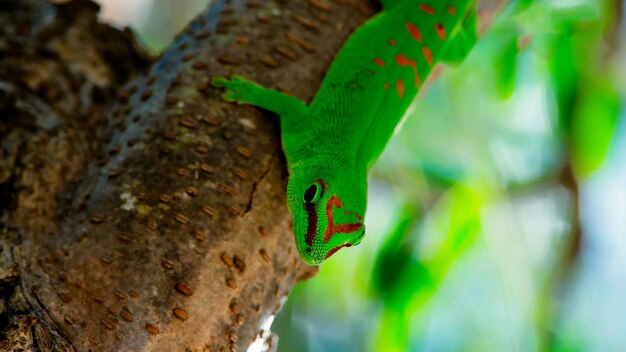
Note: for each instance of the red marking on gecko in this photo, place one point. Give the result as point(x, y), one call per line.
point(405, 61)
point(386, 86)
point(400, 88)
point(380, 62)
point(451, 10)
point(414, 31)
point(334, 250)
point(311, 230)
point(333, 229)
point(428, 55)
point(392, 42)
point(427, 8)
point(441, 31)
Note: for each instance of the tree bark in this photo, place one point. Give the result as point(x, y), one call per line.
point(140, 212)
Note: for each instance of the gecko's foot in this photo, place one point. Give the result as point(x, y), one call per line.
point(236, 88)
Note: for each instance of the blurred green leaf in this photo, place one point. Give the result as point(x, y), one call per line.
point(588, 103)
point(564, 76)
point(407, 280)
point(395, 253)
point(459, 220)
point(595, 119)
point(505, 59)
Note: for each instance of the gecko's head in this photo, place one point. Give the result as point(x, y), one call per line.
point(328, 207)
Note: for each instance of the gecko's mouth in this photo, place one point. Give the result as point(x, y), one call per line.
point(354, 242)
point(318, 252)
point(319, 243)
point(361, 236)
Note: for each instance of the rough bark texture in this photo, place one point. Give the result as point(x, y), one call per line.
point(149, 215)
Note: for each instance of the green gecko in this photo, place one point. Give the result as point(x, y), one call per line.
point(332, 142)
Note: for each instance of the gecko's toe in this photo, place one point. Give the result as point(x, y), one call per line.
point(232, 96)
point(219, 82)
point(237, 79)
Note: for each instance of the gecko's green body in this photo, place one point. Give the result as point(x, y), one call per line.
point(331, 143)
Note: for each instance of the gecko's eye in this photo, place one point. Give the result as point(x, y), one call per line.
point(313, 193)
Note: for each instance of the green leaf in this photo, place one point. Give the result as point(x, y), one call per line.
point(594, 121)
point(460, 221)
point(395, 254)
point(564, 76)
point(505, 60)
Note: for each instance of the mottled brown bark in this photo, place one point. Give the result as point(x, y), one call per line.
point(149, 216)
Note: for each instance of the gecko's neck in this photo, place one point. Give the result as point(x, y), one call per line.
point(322, 158)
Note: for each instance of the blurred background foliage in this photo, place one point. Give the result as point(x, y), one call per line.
point(497, 214)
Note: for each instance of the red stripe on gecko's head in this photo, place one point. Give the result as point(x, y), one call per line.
point(311, 230)
point(332, 229)
point(380, 62)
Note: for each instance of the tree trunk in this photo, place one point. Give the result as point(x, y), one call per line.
point(150, 215)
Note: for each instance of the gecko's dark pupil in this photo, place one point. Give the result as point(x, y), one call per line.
point(309, 194)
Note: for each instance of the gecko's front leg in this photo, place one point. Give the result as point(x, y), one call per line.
point(243, 91)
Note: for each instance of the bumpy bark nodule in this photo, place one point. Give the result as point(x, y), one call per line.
point(138, 211)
